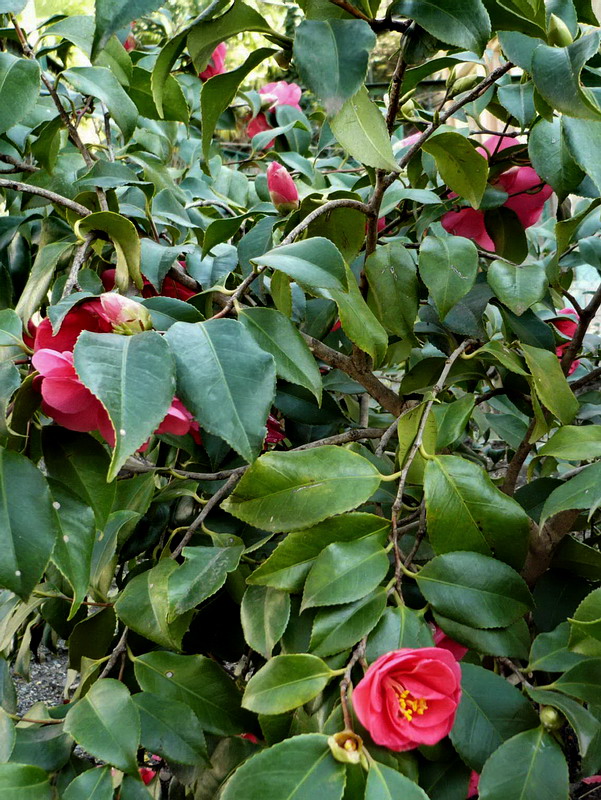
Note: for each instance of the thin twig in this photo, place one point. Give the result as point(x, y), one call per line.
point(587, 315)
point(208, 203)
point(419, 536)
point(20, 166)
point(581, 383)
point(518, 460)
point(78, 259)
point(357, 655)
point(120, 648)
point(53, 197)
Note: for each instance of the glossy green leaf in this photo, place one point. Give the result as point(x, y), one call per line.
point(7, 736)
point(197, 682)
point(385, 783)
point(460, 165)
point(21, 782)
point(164, 65)
point(112, 15)
point(332, 56)
point(581, 491)
point(530, 11)
point(587, 618)
point(463, 23)
point(264, 615)
point(583, 138)
point(123, 234)
point(285, 683)
point(170, 729)
point(100, 82)
point(133, 377)
point(512, 642)
point(398, 627)
point(40, 278)
point(518, 287)
point(298, 768)
point(579, 558)
point(288, 491)
point(574, 443)
point(338, 628)
point(361, 130)
point(549, 651)
point(105, 722)
point(474, 590)
point(144, 606)
point(518, 99)
point(276, 334)
point(448, 267)
point(48, 747)
point(581, 681)
point(289, 564)
point(29, 526)
point(93, 784)
point(392, 277)
point(550, 384)
point(466, 511)
point(345, 571)
point(538, 769)
point(551, 158)
point(556, 74)
point(19, 88)
point(225, 380)
point(314, 262)
point(201, 575)
point(174, 107)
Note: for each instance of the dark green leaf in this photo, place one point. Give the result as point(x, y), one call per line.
point(112, 15)
point(392, 278)
point(385, 783)
point(264, 614)
point(461, 167)
point(549, 652)
point(581, 681)
point(361, 130)
point(463, 23)
point(285, 683)
point(93, 784)
point(550, 383)
point(397, 628)
point(20, 782)
point(100, 82)
point(338, 628)
point(314, 262)
point(170, 729)
point(551, 158)
point(448, 267)
point(19, 88)
point(512, 642)
point(518, 287)
point(581, 491)
point(202, 574)
point(122, 232)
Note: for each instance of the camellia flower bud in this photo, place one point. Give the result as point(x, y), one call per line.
point(550, 718)
point(283, 192)
point(347, 747)
point(558, 33)
point(125, 315)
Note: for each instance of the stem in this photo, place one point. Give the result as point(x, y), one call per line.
point(345, 684)
point(17, 186)
point(587, 315)
point(20, 166)
point(78, 259)
point(517, 462)
point(120, 648)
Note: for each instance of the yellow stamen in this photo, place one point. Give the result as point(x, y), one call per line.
point(409, 705)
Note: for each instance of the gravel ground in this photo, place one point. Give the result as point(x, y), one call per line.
point(47, 680)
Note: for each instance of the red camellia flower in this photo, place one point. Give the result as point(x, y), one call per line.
point(409, 697)
point(568, 327)
point(526, 198)
point(147, 774)
point(216, 65)
point(169, 288)
point(472, 789)
point(282, 190)
point(442, 640)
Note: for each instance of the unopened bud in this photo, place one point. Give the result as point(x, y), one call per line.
point(408, 109)
point(550, 718)
point(347, 747)
point(558, 33)
point(125, 315)
point(464, 85)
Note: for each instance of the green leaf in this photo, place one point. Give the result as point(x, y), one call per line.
point(122, 232)
point(7, 736)
point(345, 571)
point(574, 443)
point(385, 783)
point(538, 769)
point(285, 683)
point(531, 11)
point(289, 564)
point(198, 683)
point(448, 267)
point(398, 628)
point(587, 617)
point(164, 65)
point(463, 23)
point(466, 511)
point(460, 165)
point(549, 651)
point(295, 769)
point(28, 527)
point(451, 420)
point(581, 681)
point(218, 93)
point(518, 287)
point(512, 642)
point(105, 722)
point(201, 575)
point(93, 784)
point(276, 334)
point(361, 130)
point(332, 58)
point(101, 83)
point(40, 277)
point(392, 278)
point(314, 262)
point(19, 88)
point(490, 712)
point(264, 614)
point(144, 606)
point(206, 35)
point(48, 747)
point(475, 590)
point(518, 99)
point(133, 378)
point(170, 729)
point(284, 491)
point(338, 628)
point(581, 491)
point(20, 782)
point(77, 29)
point(550, 383)
point(225, 379)
point(112, 15)
point(550, 155)
point(583, 138)
point(556, 75)
point(174, 105)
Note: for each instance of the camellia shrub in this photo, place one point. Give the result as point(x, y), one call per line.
point(300, 410)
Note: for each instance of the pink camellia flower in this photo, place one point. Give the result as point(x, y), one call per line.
point(568, 327)
point(444, 641)
point(125, 315)
point(216, 65)
point(281, 93)
point(472, 789)
point(527, 197)
point(409, 697)
point(592, 780)
point(282, 190)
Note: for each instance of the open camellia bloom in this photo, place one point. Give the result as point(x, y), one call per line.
point(278, 93)
point(282, 189)
point(409, 697)
point(216, 65)
point(527, 197)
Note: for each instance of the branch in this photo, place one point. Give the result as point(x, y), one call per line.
point(587, 315)
point(417, 442)
point(517, 462)
point(78, 259)
point(120, 648)
point(20, 166)
point(377, 25)
point(586, 379)
point(543, 543)
point(17, 186)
